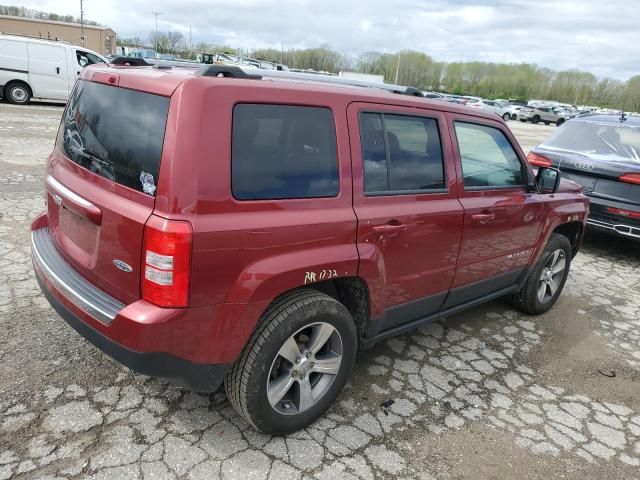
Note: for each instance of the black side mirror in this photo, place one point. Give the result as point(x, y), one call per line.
point(548, 179)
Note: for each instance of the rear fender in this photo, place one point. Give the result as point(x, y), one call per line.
point(269, 277)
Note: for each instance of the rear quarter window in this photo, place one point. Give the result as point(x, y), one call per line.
point(283, 151)
point(115, 133)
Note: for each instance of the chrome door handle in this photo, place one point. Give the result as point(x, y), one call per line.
point(389, 228)
point(483, 217)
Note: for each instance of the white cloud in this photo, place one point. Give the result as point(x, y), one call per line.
point(601, 37)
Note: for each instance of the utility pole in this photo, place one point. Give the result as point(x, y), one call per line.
point(282, 53)
point(81, 24)
point(397, 68)
point(156, 37)
point(189, 38)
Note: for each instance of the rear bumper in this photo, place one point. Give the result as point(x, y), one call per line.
point(192, 347)
point(601, 219)
point(198, 377)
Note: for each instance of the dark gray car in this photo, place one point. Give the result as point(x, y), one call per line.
point(602, 153)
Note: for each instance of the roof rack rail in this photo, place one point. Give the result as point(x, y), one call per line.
point(233, 71)
point(222, 70)
point(131, 61)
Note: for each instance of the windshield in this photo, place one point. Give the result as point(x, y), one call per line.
point(598, 140)
point(116, 133)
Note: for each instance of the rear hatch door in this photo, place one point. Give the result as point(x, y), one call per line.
point(101, 182)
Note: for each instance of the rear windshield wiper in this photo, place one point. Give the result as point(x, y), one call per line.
point(85, 152)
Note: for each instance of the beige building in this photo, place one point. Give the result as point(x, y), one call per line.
point(96, 38)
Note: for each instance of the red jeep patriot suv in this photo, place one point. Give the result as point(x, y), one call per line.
point(216, 225)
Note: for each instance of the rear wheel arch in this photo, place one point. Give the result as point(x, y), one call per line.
point(352, 292)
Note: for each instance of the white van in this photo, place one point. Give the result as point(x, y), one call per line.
point(40, 69)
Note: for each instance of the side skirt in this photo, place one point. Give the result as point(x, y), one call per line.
point(414, 324)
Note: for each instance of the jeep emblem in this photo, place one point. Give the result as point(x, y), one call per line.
point(122, 266)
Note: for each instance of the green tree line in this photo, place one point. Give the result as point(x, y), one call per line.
point(520, 81)
point(488, 80)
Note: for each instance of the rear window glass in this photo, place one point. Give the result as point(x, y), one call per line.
point(283, 151)
point(598, 140)
point(116, 133)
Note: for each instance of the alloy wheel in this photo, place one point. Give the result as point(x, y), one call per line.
point(304, 368)
point(551, 276)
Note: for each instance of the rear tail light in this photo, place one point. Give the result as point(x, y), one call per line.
point(166, 261)
point(631, 178)
point(538, 160)
point(624, 213)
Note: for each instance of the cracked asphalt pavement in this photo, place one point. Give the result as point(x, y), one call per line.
point(489, 393)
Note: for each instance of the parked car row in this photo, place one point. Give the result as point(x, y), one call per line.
point(505, 109)
point(545, 114)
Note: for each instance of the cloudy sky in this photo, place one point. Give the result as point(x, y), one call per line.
point(600, 36)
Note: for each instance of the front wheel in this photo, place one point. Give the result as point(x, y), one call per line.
point(535, 119)
point(296, 363)
point(506, 116)
point(546, 281)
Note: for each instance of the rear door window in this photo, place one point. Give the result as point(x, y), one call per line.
point(401, 154)
point(115, 133)
point(283, 151)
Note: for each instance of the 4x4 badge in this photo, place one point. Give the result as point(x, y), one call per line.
point(122, 266)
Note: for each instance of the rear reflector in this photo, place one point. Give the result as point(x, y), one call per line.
point(538, 160)
point(166, 262)
point(631, 178)
point(624, 213)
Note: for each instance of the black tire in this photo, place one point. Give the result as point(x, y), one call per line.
point(526, 299)
point(246, 382)
point(17, 93)
point(523, 120)
point(535, 119)
point(559, 122)
point(547, 123)
point(506, 116)
point(514, 116)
